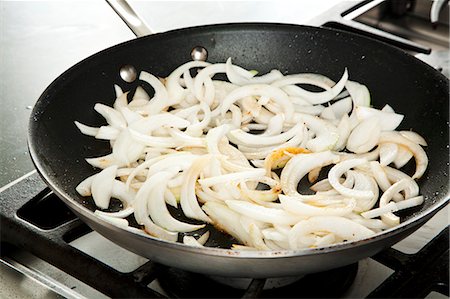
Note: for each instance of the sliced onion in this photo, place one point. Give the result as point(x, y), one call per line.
point(340, 226)
point(298, 166)
point(403, 156)
point(274, 93)
point(338, 170)
point(86, 130)
point(314, 97)
point(296, 206)
point(403, 184)
point(113, 220)
point(251, 140)
point(227, 220)
point(365, 136)
point(188, 200)
point(102, 186)
point(175, 91)
point(414, 137)
point(382, 179)
point(418, 152)
point(388, 121)
point(326, 133)
point(112, 116)
point(359, 93)
point(157, 208)
point(261, 213)
point(388, 152)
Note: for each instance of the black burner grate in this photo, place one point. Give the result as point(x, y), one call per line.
point(415, 275)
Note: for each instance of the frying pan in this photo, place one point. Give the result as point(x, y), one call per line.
point(411, 87)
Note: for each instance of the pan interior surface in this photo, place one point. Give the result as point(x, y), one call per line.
point(412, 88)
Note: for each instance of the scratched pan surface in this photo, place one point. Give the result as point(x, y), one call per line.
point(412, 88)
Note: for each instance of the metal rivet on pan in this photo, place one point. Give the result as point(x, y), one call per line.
point(199, 53)
point(128, 73)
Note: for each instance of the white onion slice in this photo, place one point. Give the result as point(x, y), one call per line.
point(261, 213)
point(365, 136)
point(122, 223)
point(175, 91)
point(359, 93)
point(227, 220)
point(340, 226)
point(157, 208)
point(314, 97)
point(112, 116)
point(102, 186)
point(298, 166)
point(188, 200)
point(414, 137)
point(388, 121)
point(296, 206)
point(403, 156)
point(240, 137)
point(86, 130)
point(276, 94)
point(338, 170)
point(418, 152)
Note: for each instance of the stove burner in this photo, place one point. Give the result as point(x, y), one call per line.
point(329, 284)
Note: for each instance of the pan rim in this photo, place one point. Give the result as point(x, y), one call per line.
point(213, 251)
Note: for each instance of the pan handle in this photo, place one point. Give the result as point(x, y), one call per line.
point(130, 17)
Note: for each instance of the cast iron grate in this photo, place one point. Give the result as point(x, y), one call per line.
point(415, 275)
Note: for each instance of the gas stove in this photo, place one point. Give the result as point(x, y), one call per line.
point(46, 252)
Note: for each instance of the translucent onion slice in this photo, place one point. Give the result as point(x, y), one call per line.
point(86, 130)
point(122, 223)
point(141, 212)
point(339, 226)
point(359, 93)
point(104, 161)
point(365, 136)
point(418, 152)
point(188, 200)
point(382, 179)
point(157, 208)
point(338, 109)
point(387, 196)
point(235, 176)
point(240, 137)
point(112, 116)
point(389, 121)
point(261, 213)
point(276, 94)
point(256, 237)
point(84, 187)
point(126, 149)
point(107, 133)
point(414, 137)
point(388, 152)
point(175, 91)
point(338, 170)
point(102, 186)
point(297, 206)
point(314, 97)
point(227, 220)
point(393, 207)
point(160, 100)
point(403, 156)
point(326, 133)
point(298, 166)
